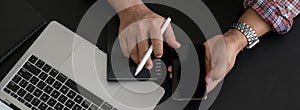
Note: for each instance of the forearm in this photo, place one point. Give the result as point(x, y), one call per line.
point(119, 5)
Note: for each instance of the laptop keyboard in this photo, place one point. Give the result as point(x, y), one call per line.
point(39, 86)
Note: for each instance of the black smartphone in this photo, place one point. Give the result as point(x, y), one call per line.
point(182, 91)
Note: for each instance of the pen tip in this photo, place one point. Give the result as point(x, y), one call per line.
point(136, 73)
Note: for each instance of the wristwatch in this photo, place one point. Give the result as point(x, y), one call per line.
point(249, 33)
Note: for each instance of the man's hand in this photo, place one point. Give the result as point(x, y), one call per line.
point(137, 25)
point(221, 52)
point(220, 56)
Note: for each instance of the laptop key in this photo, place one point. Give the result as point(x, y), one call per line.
point(23, 73)
point(28, 97)
point(43, 76)
point(34, 80)
point(40, 63)
point(62, 98)
point(51, 102)
point(55, 94)
point(12, 86)
point(35, 102)
point(71, 94)
point(31, 68)
point(78, 99)
point(32, 59)
point(58, 106)
point(23, 83)
point(77, 107)
point(64, 89)
point(50, 80)
point(41, 85)
point(43, 106)
point(44, 97)
point(86, 103)
point(37, 93)
point(48, 89)
point(28, 104)
point(7, 90)
point(30, 88)
point(62, 78)
point(47, 68)
point(69, 103)
point(53, 72)
point(57, 85)
point(106, 106)
point(16, 79)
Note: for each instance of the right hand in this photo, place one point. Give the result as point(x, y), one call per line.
point(137, 25)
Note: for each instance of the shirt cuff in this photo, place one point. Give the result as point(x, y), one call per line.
point(274, 13)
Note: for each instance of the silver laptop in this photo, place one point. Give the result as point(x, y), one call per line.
point(61, 70)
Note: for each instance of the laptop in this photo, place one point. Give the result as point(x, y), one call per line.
point(62, 70)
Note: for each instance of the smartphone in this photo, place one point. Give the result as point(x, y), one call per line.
point(180, 92)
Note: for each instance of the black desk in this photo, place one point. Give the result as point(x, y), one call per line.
point(265, 78)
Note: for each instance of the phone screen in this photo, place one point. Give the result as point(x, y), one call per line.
point(181, 90)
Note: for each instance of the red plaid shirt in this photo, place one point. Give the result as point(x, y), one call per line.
point(278, 13)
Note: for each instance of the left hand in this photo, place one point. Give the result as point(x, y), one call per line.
point(220, 56)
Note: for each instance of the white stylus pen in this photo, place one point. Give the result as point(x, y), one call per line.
point(150, 50)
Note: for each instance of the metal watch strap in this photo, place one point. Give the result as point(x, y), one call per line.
point(249, 33)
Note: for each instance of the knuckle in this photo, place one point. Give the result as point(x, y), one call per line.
point(143, 49)
point(133, 52)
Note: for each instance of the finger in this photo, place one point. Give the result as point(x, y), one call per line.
point(157, 42)
point(170, 68)
point(149, 64)
point(170, 38)
point(134, 55)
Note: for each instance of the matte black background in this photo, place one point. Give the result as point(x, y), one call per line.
point(264, 78)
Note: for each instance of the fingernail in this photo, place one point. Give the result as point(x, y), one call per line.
point(158, 56)
point(179, 45)
point(149, 66)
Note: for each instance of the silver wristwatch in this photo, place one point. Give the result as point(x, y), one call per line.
point(249, 33)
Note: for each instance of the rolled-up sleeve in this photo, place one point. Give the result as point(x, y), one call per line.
point(278, 13)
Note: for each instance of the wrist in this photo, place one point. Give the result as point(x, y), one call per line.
point(236, 38)
point(134, 13)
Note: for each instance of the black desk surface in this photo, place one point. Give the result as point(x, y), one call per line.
point(265, 78)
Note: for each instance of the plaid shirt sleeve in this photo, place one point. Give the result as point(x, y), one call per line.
point(278, 13)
